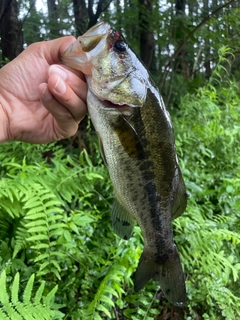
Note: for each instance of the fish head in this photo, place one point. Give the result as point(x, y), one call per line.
point(114, 74)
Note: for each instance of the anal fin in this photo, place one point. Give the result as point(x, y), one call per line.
point(122, 222)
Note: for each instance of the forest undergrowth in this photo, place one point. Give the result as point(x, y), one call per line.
point(59, 258)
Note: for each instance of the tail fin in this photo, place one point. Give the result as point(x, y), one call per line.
point(169, 274)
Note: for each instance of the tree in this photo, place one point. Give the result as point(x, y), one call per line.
point(146, 34)
point(55, 199)
point(53, 18)
point(101, 6)
point(80, 15)
point(10, 30)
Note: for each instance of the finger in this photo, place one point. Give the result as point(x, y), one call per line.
point(55, 48)
point(64, 94)
point(64, 125)
point(74, 78)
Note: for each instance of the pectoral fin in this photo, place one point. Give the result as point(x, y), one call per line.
point(102, 150)
point(122, 222)
point(129, 138)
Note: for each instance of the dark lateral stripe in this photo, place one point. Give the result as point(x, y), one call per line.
point(158, 126)
point(157, 222)
point(135, 134)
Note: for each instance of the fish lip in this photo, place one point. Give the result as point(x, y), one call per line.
point(101, 27)
point(107, 104)
point(92, 38)
point(78, 54)
point(111, 105)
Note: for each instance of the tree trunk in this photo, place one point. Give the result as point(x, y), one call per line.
point(207, 54)
point(182, 65)
point(81, 16)
point(146, 35)
point(101, 7)
point(180, 6)
point(53, 19)
point(10, 30)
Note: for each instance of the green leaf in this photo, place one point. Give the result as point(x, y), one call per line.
point(28, 290)
point(82, 220)
point(3, 315)
point(100, 307)
point(39, 293)
point(15, 288)
point(38, 237)
point(3, 292)
point(106, 299)
point(50, 296)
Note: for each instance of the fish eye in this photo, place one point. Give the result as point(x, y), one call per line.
point(120, 46)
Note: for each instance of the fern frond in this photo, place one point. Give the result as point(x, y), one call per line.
point(4, 298)
point(42, 222)
point(20, 241)
point(39, 293)
point(3, 315)
point(50, 296)
point(28, 290)
point(15, 288)
point(108, 290)
point(40, 307)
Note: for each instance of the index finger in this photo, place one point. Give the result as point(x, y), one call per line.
point(74, 78)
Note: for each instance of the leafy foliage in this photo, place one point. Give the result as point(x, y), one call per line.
point(40, 307)
point(208, 141)
point(54, 205)
point(56, 242)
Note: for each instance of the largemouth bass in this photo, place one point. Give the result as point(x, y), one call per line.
point(137, 143)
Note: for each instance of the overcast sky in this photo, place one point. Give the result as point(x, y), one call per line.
point(41, 5)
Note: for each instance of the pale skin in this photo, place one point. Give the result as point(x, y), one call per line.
point(40, 99)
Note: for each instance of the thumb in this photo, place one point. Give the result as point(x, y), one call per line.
point(55, 48)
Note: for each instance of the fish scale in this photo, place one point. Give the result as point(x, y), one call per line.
point(137, 144)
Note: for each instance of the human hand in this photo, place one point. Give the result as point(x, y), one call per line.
point(41, 101)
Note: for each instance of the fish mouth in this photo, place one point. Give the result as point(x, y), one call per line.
point(111, 105)
point(93, 36)
point(79, 55)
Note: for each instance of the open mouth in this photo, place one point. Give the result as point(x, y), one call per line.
point(111, 105)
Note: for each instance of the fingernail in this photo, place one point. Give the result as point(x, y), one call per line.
point(59, 71)
point(60, 86)
point(46, 94)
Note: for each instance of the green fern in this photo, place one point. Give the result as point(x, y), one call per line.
point(43, 216)
point(54, 223)
point(80, 181)
point(109, 289)
point(39, 307)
